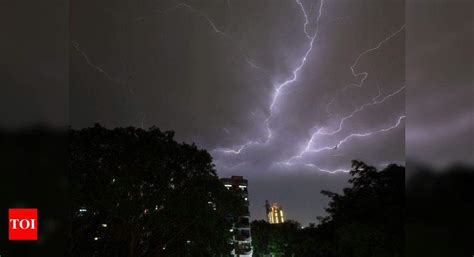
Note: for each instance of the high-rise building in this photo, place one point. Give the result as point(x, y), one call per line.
point(241, 228)
point(274, 213)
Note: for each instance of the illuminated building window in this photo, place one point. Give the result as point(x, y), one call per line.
point(274, 213)
point(241, 223)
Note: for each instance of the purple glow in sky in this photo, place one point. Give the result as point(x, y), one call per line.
point(284, 93)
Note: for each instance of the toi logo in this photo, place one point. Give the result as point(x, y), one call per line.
point(22, 224)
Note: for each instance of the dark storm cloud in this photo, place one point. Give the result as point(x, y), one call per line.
point(209, 71)
point(439, 72)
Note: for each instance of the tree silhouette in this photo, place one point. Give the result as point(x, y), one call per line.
point(273, 239)
point(140, 193)
point(366, 220)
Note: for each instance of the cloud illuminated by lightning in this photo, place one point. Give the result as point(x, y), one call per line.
point(281, 86)
point(314, 166)
point(341, 142)
point(361, 108)
point(321, 132)
point(375, 101)
point(294, 77)
point(308, 148)
point(362, 74)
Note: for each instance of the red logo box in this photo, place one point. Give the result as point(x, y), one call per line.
point(22, 224)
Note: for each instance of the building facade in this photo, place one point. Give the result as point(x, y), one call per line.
point(274, 213)
point(242, 239)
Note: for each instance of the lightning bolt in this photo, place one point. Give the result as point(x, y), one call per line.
point(281, 86)
point(237, 150)
point(212, 24)
point(253, 65)
point(341, 142)
point(215, 28)
point(361, 108)
point(192, 9)
point(78, 49)
point(362, 74)
point(205, 16)
point(294, 77)
point(344, 140)
point(321, 131)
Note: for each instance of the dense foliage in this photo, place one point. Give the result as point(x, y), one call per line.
point(366, 220)
point(140, 193)
point(440, 211)
point(273, 239)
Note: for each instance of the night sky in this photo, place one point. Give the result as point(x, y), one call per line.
point(285, 93)
point(210, 70)
point(439, 74)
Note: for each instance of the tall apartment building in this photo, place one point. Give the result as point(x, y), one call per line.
point(242, 237)
point(274, 213)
